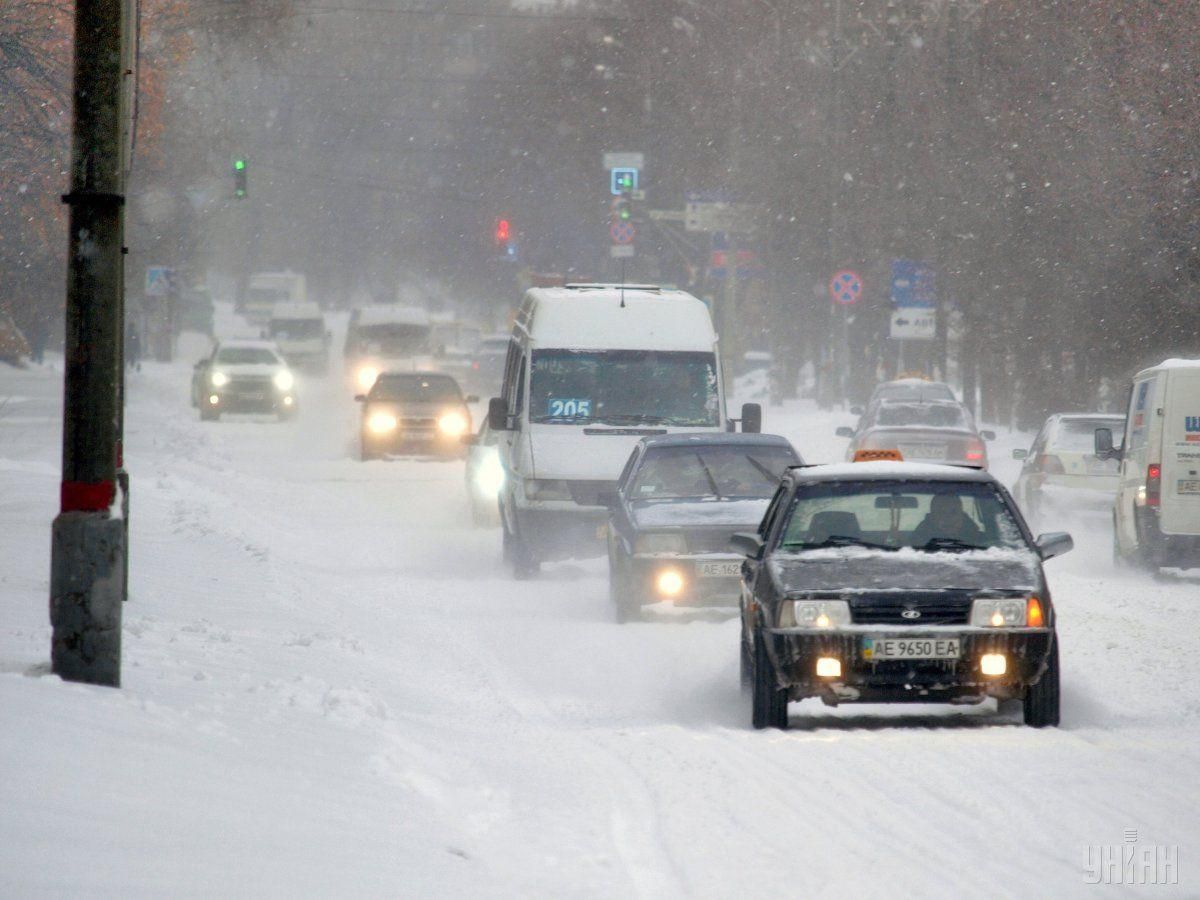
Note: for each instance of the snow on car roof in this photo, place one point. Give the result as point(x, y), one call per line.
point(392, 315)
point(899, 471)
point(594, 319)
point(296, 311)
point(1178, 364)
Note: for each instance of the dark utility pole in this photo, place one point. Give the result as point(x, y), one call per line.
point(87, 563)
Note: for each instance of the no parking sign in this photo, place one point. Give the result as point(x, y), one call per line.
point(845, 287)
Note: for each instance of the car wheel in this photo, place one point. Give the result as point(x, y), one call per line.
point(621, 593)
point(518, 555)
point(1041, 704)
point(1119, 560)
point(745, 663)
point(768, 700)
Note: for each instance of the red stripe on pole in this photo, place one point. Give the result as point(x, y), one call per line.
point(82, 496)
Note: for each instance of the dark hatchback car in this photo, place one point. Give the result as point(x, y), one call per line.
point(679, 500)
point(889, 582)
point(414, 412)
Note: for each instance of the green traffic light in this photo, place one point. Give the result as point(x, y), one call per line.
point(239, 165)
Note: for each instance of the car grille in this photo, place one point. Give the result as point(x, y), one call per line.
point(712, 540)
point(935, 609)
point(421, 424)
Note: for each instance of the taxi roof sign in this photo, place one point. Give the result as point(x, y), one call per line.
point(878, 456)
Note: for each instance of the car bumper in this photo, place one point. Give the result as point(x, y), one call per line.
point(710, 580)
point(795, 653)
point(414, 441)
point(253, 401)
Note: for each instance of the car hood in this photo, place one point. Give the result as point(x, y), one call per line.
point(261, 369)
point(699, 513)
point(861, 569)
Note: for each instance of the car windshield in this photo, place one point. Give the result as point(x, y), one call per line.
point(671, 473)
point(393, 339)
point(937, 415)
point(246, 356)
point(930, 516)
point(1079, 435)
point(292, 329)
point(624, 387)
point(416, 389)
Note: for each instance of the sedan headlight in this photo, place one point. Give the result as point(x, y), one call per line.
point(660, 542)
point(999, 612)
point(453, 424)
point(284, 380)
point(218, 379)
point(367, 376)
point(381, 423)
point(814, 613)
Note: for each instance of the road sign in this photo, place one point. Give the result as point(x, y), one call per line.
point(913, 323)
point(845, 287)
point(623, 180)
point(912, 284)
point(621, 251)
point(703, 214)
point(624, 161)
point(160, 281)
point(622, 232)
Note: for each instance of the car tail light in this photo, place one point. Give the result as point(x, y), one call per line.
point(976, 452)
point(1033, 613)
point(475, 365)
point(1153, 484)
point(1050, 465)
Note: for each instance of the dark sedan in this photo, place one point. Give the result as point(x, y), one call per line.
point(889, 582)
point(414, 412)
point(679, 500)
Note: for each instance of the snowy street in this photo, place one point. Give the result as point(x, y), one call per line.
point(332, 686)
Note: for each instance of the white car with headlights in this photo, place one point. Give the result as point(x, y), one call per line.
point(244, 377)
point(414, 412)
point(484, 476)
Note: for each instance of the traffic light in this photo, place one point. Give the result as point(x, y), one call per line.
point(505, 244)
point(239, 179)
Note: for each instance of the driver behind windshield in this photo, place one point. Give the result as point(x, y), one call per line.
point(947, 521)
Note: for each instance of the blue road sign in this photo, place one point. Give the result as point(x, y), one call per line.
point(913, 284)
point(622, 180)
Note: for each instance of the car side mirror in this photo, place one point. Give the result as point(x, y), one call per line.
point(845, 431)
point(1104, 445)
point(751, 418)
point(856, 410)
point(747, 544)
point(1020, 453)
point(1053, 544)
point(498, 414)
point(360, 398)
point(471, 398)
point(988, 435)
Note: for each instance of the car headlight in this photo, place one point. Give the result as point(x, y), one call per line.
point(284, 380)
point(367, 376)
point(660, 542)
point(489, 477)
point(381, 423)
point(218, 379)
point(999, 612)
point(544, 489)
point(453, 424)
point(814, 613)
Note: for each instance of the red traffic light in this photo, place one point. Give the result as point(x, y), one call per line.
point(503, 230)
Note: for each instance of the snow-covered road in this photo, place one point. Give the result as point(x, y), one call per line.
point(331, 687)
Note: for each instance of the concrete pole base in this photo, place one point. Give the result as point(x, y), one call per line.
point(87, 576)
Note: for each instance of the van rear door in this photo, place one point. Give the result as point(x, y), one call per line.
point(1180, 513)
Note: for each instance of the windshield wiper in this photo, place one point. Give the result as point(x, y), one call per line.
point(835, 540)
point(712, 482)
point(946, 543)
point(772, 477)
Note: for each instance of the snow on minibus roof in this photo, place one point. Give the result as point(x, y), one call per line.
point(392, 315)
point(594, 319)
point(1178, 364)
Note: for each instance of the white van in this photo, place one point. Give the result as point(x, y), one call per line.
point(591, 369)
point(387, 339)
point(298, 329)
point(1156, 518)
